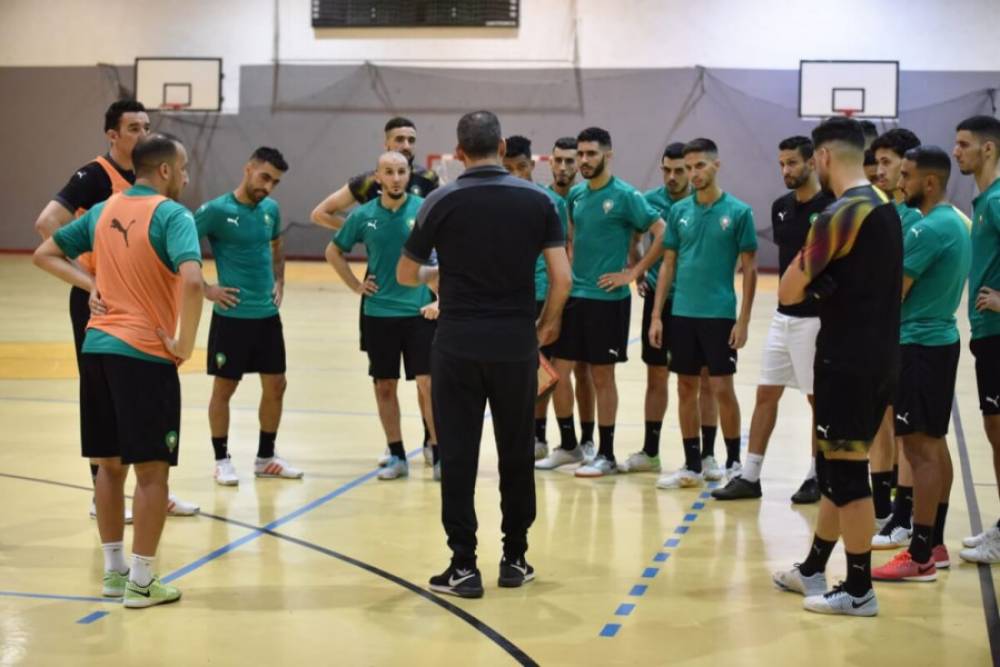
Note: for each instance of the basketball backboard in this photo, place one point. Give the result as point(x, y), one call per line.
point(862, 89)
point(448, 167)
point(179, 84)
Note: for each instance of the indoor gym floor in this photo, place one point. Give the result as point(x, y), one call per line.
point(331, 570)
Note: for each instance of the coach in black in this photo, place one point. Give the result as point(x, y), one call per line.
point(488, 229)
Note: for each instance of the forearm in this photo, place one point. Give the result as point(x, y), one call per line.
point(653, 254)
point(332, 221)
point(65, 270)
point(749, 291)
point(343, 269)
point(664, 281)
point(555, 300)
point(192, 296)
point(278, 263)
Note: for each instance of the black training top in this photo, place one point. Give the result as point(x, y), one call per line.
point(488, 228)
point(365, 188)
point(90, 185)
point(790, 224)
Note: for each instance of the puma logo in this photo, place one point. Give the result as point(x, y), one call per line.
point(732, 360)
point(781, 215)
point(81, 174)
point(613, 353)
point(683, 221)
point(825, 430)
point(922, 538)
point(233, 221)
point(994, 400)
point(905, 418)
point(117, 225)
point(817, 549)
point(859, 567)
point(372, 224)
point(916, 231)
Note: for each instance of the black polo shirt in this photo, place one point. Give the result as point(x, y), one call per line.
point(90, 185)
point(488, 229)
point(791, 221)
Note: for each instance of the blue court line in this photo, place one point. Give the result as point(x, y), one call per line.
point(610, 630)
point(660, 557)
point(638, 590)
point(69, 598)
point(90, 618)
point(624, 609)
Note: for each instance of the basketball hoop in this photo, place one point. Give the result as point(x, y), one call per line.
point(849, 113)
point(172, 106)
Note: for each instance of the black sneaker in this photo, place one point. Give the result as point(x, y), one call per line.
point(738, 489)
point(808, 493)
point(463, 582)
point(514, 573)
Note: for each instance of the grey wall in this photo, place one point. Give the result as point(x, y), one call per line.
point(327, 120)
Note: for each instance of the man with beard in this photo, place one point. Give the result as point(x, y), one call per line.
point(243, 228)
point(790, 347)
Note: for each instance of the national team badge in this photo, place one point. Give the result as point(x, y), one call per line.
point(608, 205)
point(171, 441)
point(411, 222)
point(813, 217)
point(725, 222)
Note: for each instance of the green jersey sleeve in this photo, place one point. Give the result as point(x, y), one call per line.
point(671, 237)
point(642, 214)
point(204, 219)
point(77, 237)
point(347, 236)
point(747, 231)
point(920, 248)
point(181, 237)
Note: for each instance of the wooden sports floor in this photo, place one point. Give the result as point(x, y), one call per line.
point(331, 570)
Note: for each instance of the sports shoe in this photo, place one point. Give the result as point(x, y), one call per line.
point(394, 469)
point(892, 536)
point(902, 567)
point(437, 472)
point(808, 493)
point(987, 551)
point(178, 507)
point(640, 462)
point(128, 512)
point(589, 451)
point(139, 597)
point(733, 470)
point(541, 449)
point(114, 584)
point(680, 479)
point(942, 560)
point(976, 540)
point(275, 467)
point(560, 457)
point(710, 469)
point(386, 455)
point(428, 455)
point(463, 582)
point(793, 581)
point(881, 523)
point(225, 473)
point(515, 573)
point(738, 489)
point(599, 467)
point(839, 601)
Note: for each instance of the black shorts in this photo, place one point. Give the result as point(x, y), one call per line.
point(79, 315)
point(849, 408)
point(129, 409)
point(547, 350)
point(696, 342)
point(926, 389)
point(238, 345)
point(987, 353)
point(594, 331)
point(389, 337)
point(650, 355)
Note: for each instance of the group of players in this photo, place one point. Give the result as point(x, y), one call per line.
point(849, 253)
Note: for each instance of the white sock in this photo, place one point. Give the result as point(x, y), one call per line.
point(812, 469)
point(114, 557)
point(142, 569)
point(751, 469)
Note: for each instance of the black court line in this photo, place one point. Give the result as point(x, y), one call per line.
point(990, 609)
point(508, 646)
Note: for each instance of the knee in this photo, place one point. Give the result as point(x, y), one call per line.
point(113, 469)
point(274, 386)
point(604, 376)
point(843, 481)
point(151, 473)
point(223, 389)
point(687, 386)
point(656, 379)
point(385, 390)
point(768, 396)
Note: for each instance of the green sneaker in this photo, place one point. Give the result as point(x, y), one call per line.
point(114, 584)
point(138, 597)
point(640, 462)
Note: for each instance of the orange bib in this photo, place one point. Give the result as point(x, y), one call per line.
point(118, 184)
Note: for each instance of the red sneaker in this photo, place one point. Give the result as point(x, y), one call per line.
point(903, 568)
point(940, 555)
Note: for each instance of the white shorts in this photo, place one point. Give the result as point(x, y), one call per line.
point(789, 352)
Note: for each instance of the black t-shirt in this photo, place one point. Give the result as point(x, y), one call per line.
point(90, 185)
point(488, 228)
point(790, 224)
point(364, 187)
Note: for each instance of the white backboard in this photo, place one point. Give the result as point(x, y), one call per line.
point(861, 89)
point(185, 84)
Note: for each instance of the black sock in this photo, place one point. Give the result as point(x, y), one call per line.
point(732, 451)
point(708, 440)
point(942, 515)
point(902, 506)
point(221, 447)
point(586, 431)
point(920, 543)
point(540, 423)
point(606, 447)
point(881, 493)
point(652, 445)
point(93, 472)
point(435, 453)
point(567, 433)
point(895, 475)
point(859, 573)
point(265, 446)
point(692, 454)
point(819, 554)
point(396, 449)
point(427, 434)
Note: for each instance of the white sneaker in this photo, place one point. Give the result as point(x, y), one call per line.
point(881, 523)
point(599, 467)
point(839, 601)
point(976, 540)
point(560, 457)
point(225, 473)
point(178, 507)
point(275, 467)
point(386, 455)
point(640, 462)
point(734, 470)
point(897, 537)
point(680, 479)
point(589, 451)
point(437, 471)
point(710, 469)
point(396, 468)
point(128, 512)
point(793, 581)
point(541, 449)
point(987, 551)
point(428, 456)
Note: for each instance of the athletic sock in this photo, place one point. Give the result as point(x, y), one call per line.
point(920, 543)
point(93, 472)
point(818, 556)
point(221, 447)
point(708, 440)
point(692, 454)
point(881, 493)
point(606, 447)
point(427, 433)
point(751, 469)
point(435, 453)
point(732, 451)
point(540, 423)
point(902, 506)
point(265, 446)
point(396, 449)
point(895, 475)
point(567, 433)
point(942, 515)
point(859, 573)
point(141, 572)
point(812, 469)
point(586, 431)
point(114, 557)
point(652, 444)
